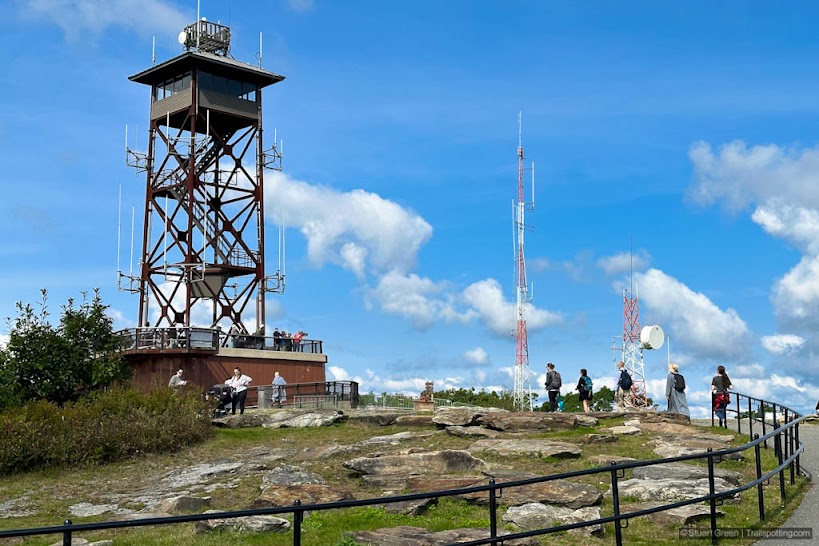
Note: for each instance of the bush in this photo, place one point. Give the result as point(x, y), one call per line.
point(101, 428)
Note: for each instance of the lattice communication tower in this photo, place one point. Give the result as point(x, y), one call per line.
point(522, 394)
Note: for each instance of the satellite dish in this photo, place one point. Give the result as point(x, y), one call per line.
point(182, 37)
point(652, 337)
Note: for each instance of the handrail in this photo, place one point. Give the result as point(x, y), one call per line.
point(787, 432)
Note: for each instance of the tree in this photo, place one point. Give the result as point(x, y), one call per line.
point(483, 398)
point(602, 400)
point(63, 363)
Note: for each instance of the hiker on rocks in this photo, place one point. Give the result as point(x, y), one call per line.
point(238, 390)
point(624, 382)
point(279, 394)
point(675, 391)
point(176, 380)
point(553, 384)
point(584, 387)
point(719, 387)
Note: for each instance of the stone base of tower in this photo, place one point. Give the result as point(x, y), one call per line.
point(204, 370)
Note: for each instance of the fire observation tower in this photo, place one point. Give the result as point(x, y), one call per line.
point(203, 235)
point(522, 394)
point(201, 276)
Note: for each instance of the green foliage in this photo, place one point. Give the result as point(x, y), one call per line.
point(602, 400)
point(60, 363)
point(483, 398)
point(103, 427)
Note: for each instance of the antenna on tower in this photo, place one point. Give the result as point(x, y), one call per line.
point(522, 394)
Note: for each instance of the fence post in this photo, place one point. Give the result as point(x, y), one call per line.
point(298, 517)
point(493, 512)
point(67, 533)
point(780, 458)
point(791, 451)
point(750, 420)
point(764, 421)
point(712, 502)
point(615, 499)
point(759, 489)
point(798, 457)
point(739, 420)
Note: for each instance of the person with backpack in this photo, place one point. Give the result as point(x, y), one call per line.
point(675, 391)
point(553, 384)
point(584, 387)
point(719, 387)
point(624, 382)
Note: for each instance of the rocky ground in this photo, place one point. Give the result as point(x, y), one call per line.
point(400, 462)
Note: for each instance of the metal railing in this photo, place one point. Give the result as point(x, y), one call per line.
point(185, 339)
point(785, 438)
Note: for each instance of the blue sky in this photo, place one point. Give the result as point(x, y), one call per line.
point(686, 130)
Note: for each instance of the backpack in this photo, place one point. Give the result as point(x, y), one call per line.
point(679, 382)
point(587, 383)
point(625, 381)
point(557, 382)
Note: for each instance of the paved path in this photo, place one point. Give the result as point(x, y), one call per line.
point(806, 514)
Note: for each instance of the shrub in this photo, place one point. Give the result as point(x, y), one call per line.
point(100, 428)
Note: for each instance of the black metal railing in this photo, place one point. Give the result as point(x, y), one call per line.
point(186, 339)
point(784, 436)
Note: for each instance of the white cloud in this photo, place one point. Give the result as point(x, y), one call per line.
point(796, 224)
point(419, 299)
point(337, 374)
point(358, 230)
point(739, 175)
point(693, 320)
point(624, 262)
point(4, 340)
point(80, 18)
point(299, 5)
point(782, 343)
point(477, 355)
point(498, 314)
point(796, 294)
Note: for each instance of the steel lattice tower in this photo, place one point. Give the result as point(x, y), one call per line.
point(203, 238)
point(633, 349)
point(522, 394)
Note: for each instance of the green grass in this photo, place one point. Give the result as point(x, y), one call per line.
point(53, 491)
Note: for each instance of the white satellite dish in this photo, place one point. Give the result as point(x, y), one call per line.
point(652, 337)
point(182, 37)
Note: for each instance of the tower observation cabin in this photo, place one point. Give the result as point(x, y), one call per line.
point(203, 238)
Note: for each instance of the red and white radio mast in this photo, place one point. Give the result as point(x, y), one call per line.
point(522, 395)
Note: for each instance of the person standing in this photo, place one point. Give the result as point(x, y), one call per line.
point(176, 380)
point(584, 387)
point(279, 394)
point(277, 340)
point(675, 391)
point(553, 384)
point(238, 389)
point(624, 382)
point(720, 385)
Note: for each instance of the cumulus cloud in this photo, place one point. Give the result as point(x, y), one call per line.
point(498, 314)
point(356, 229)
point(623, 262)
point(81, 18)
point(738, 175)
point(694, 321)
point(782, 343)
point(299, 5)
point(783, 186)
point(477, 355)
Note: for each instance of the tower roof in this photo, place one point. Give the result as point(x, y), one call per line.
point(211, 62)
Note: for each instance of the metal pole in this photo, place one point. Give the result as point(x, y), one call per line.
point(750, 420)
point(712, 502)
point(759, 489)
point(791, 451)
point(764, 422)
point(67, 533)
point(298, 517)
point(739, 421)
point(493, 513)
point(781, 470)
point(798, 457)
point(615, 498)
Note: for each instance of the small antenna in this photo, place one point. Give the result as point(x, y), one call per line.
point(260, 50)
point(119, 229)
point(533, 185)
point(153, 52)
